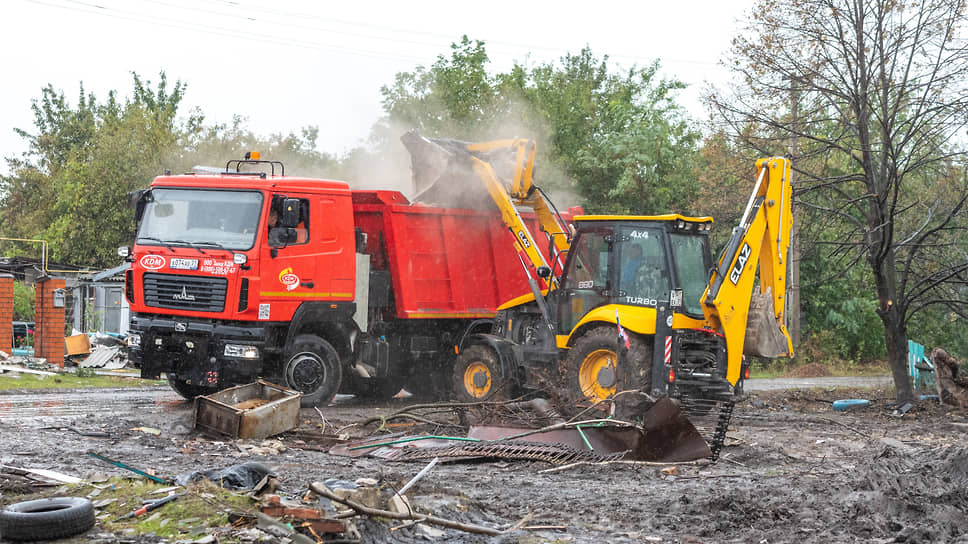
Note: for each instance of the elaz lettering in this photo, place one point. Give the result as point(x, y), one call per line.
point(737, 271)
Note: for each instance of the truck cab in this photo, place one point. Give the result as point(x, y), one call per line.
point(221, 265)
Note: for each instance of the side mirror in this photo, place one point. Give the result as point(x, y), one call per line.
point(138, 199)
point(290, 213)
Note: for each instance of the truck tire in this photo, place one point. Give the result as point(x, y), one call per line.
point(46, 519)
point(477, 376)
point(186, 390)
point(312, 368)
point(593, 371)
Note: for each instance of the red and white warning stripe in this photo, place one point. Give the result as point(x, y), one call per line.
point(668, 349)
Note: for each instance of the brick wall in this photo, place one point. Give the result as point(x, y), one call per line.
point(49, 323)
point(6, 313)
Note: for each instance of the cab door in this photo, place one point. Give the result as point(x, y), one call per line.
point(289, 250)
point(587, 279)
point(311, 261)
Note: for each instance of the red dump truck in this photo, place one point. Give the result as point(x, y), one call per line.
point(242, 274)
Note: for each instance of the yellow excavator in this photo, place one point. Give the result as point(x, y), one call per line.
point(620, 304)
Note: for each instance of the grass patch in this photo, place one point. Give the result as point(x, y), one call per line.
point(10, 381)
point(780, 368)
point(199, 510)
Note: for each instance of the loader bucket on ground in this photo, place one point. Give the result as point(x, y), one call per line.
point(666, 435)
point(764, 337)
point(443, 174)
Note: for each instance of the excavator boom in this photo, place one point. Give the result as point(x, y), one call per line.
point(753, 324)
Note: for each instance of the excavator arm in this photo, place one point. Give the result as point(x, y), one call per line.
point(753, 324)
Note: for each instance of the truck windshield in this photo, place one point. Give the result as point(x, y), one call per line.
point(690, 251)
point(201, 218)
point(644, 274)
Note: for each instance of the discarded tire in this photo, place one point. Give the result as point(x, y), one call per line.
point(46, 519)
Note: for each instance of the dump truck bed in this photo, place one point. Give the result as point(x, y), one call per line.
point(443, 262)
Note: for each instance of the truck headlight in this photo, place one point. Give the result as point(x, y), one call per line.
point(241, 352)
point(134, 339)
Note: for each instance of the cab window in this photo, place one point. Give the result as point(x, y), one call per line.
point(588, 268)
point(279, 232)
point(643, 274)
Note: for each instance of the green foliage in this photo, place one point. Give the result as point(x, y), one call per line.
point(23, 302)
point(453, 98)
point(214, 145)
point(618, 140)
point(82, 161)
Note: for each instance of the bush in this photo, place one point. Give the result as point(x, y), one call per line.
point(23, 302)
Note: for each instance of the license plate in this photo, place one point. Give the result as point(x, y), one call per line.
point(183, 264)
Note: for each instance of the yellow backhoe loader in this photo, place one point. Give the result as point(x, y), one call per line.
point(624, 307)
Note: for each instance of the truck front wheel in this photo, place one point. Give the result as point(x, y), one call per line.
point(312, 368)
point(477, 375)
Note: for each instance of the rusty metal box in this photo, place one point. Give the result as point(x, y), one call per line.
point(256, 410)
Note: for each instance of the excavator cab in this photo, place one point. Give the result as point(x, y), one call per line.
point(646, 272)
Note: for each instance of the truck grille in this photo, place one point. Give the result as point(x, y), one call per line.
point(198, 293)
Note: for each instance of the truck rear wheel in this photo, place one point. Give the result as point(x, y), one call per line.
point(477, 376)
point(312, 368)
point(593, 370)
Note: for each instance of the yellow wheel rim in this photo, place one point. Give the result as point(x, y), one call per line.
point(477, 380)
point(596, 377)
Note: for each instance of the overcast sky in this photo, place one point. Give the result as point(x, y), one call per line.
point(286, 64)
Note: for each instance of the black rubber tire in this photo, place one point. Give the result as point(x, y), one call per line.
point(485, 361)
point(633, 372)
point(186, 390)
point(312, 368)
point(46, 519)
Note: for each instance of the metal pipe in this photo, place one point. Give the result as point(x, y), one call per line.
point(756, 189)
point(35, 241)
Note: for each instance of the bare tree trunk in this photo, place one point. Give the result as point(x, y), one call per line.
point(895, 330)
point(897, 354)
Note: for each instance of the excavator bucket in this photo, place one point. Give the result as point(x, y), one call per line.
point(764, 338)
point(668, 435)
point(443, 174)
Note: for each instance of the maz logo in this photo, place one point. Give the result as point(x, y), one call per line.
point(737, 271)
point(183, 295)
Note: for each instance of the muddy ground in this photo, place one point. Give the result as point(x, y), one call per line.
point(792, 470)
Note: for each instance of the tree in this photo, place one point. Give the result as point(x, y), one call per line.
point(617, 139)
point(880, 96)
point(70, 189)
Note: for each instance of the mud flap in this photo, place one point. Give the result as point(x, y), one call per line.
point(764, 337)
